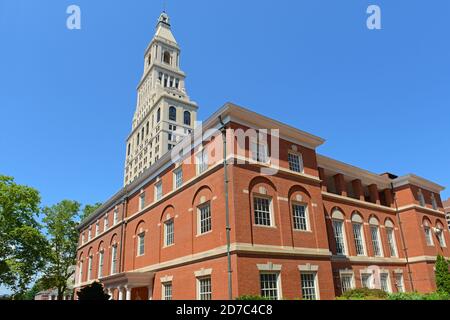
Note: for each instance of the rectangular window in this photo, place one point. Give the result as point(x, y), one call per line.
point(204, 219)
point(105, 223)
point(374, 231)
point(89, 233)
point(295, 162)
point(384, 282)
point(142, 201)
point(269, 285)
point(178, 178)
point(204, 289)
point(359, 241)
point(259, 152)
point(167, 291)
point(97, 228)
point(80, 280)
point(158, 191)
point(82, 238)
point(116, 216)
point(141, 244)
point(300, 221)
point(338, 228)
point(428, 236)
point(366, 280)
point(399, 282)
point(309, 288)
point(114, 259)
point(262, 211)
point(202, 161)
point(100, 263)
point(346, 282)
point(169, 234)
point(391, 242)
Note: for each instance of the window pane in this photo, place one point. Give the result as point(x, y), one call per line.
point(295, 163)
point(262, 211)
point(299, 212)
point(391, 242)
point(169, 233)
point(339, 236)
point(205, 218)
point(346, 282)
point(269, 285)
point(384, 282)
point(375, 241)
point(359, 243)
point(309, 286)
point(366, 280)
point(205, 289)
point(167, 291)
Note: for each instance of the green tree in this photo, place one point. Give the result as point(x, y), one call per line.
point(93, 292)
point(442, 275)
point(89, 209)
point(22, 244)
point(60, 221)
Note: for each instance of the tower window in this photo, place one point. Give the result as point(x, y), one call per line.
point(129, 148)
point(166, 57)
point(158, 115)
point(173, 114)
point(187, 118)
point(149, 58)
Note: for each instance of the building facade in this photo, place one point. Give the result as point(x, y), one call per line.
point(301, 225)
point(447, 211)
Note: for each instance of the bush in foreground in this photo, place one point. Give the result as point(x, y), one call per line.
point(364, 294)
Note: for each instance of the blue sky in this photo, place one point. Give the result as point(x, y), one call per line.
point(380, 98)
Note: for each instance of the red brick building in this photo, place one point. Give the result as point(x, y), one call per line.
point(301, 225)
point(447, 211)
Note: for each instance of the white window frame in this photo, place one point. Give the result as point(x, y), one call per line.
point(299, 156)
point(343, 275)
point(362, 239)
point(158, 191)
point(199, 288)
point(82, 238)
point(315, 281)
point(258, 155)
point(440, 236)
point(421, 198)
point(167, 234)
point(377, 240)
point(116, 216)
point(114, 259)
point(200, 221)
point(344, 240)
point(105, 223)
point(392, 243)
point(141, 244)
point(428, 235)
point(141, 201)
point(80, 274)
point(388, 282)
point(434, 202)
point(165, 285)
point(101, 257)
point(271, 213)
point(277, 281)
point(202, 161)
point(370, 279)
point(89, 233)
point(97, 228)
point(177, 178)
point(399, 280)
point(307, 224)
point(90, 264)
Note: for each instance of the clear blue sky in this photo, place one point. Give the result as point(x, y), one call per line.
point(381, 99)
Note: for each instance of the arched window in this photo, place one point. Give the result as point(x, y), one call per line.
point(158, 115)
point(375, 235)
point(389, 226)
point(172, 114)
point(358, 234)
point(440, 234)
point(427, 231)
point(166, 57)
point(339, 232)
point(187, 118)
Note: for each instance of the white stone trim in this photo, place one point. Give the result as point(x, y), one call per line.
point(308, 268)
point(203, 273)
point(269, 267)
point(166, 279)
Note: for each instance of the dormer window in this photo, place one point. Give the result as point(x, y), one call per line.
point(434, 202)
point(421, 198)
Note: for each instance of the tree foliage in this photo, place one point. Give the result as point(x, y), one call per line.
point(93, 292)
point(60, 221)
point(442, 275)
point(22, 244)
point(89, 209)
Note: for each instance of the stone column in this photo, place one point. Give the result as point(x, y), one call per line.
point(128, 293)
point(120, 293)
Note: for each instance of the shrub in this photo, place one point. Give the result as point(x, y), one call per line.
point(442, 275)
point(251, 297)
point(93, 292)
point(364, 294)
point(419, 296)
